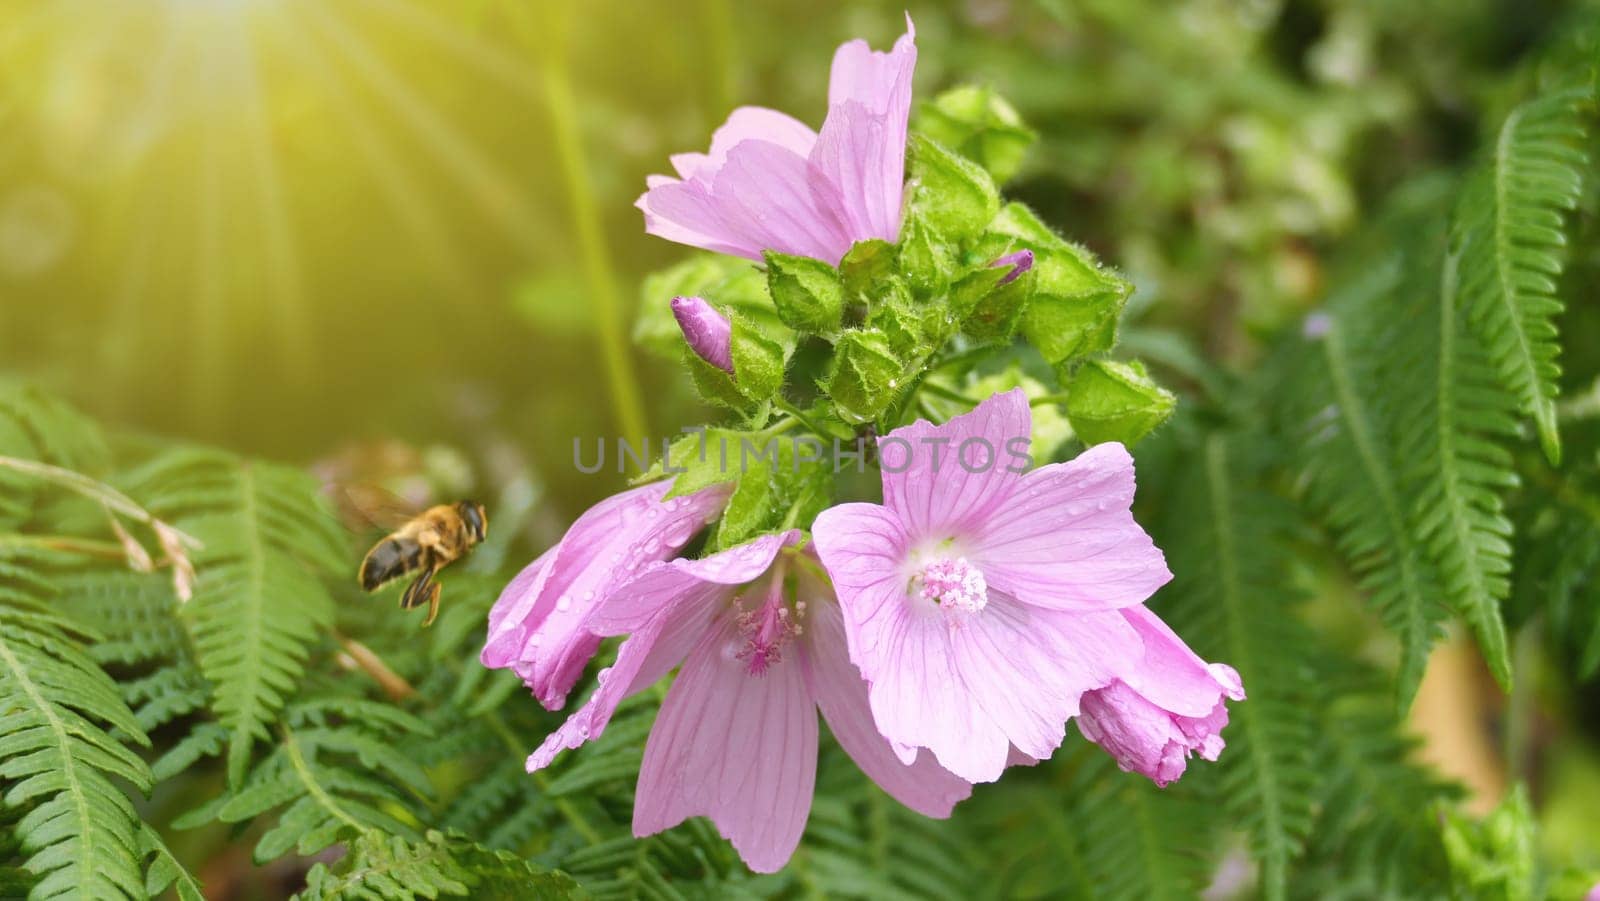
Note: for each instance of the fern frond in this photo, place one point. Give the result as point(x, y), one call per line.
point(60, 718)
point(860, 843)
point(1455, 423)
point(36, 425)
point(391, 869)
point(1378, 825)
point(336, 772)
point(165, 872)
point(1354, 473)
point(1231, 596)
point(1080, 829)
point(1558, 571)
point(1511, 233)
point(259, 602)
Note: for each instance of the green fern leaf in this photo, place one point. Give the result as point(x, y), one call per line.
point(391, 869)
point(1455, 422)
point(1513, 240)
point(1354, 471)
point(59, 718)
point(37, 426)
point(1378, 826)
point(1230, 596)
point(259, 603)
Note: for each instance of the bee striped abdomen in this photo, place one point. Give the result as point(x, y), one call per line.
point(388, 560)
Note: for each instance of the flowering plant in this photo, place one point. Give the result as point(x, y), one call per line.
point(946, 634)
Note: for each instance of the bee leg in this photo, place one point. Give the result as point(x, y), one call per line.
point(433, 605)
point(418, 591)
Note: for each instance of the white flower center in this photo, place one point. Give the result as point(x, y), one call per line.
point(953, 583)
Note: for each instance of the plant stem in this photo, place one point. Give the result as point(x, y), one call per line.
point(592, 246)
point(108, 550)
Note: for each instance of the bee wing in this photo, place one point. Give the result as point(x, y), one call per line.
point(364, 505)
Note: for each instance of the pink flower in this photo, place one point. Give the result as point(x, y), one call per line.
point(1170, 705)
point(707, 332)
point(538, 627)
point(980, 602)
point(771, 183)
point(762, 646)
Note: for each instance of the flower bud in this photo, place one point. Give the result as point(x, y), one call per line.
point(1020, 262)
point(865, 377)
point(806, 292)
point(707, 332)
point(1111, 401)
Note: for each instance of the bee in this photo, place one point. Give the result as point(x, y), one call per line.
point(427, 543)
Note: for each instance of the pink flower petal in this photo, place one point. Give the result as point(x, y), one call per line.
point(685, 212)
point(707, 332)
point(542, 630)
point(770, 183)
point(738, 748)
point(1171, 675)
point(863, 547)
point(507, 618)
point(923, 786)
point(1066, 538)
point(1028, 667)
point(919, 697)
point(947, 480)
point(880, 81)
point(776, 197)
point(862, 145)
point(1146, 739)
point(670, 583)
point(747, 123)
point(617, 682)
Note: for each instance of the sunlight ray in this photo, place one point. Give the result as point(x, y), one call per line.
point(387, 168)
point(499, 197)
point(441, 32)
point(283, 274)
point(211, 344)
point(128, 203)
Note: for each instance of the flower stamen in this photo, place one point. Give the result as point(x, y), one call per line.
point(952, 583)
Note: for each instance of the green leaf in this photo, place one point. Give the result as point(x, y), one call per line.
point(1511, 231)
point(865, 265)
point(1355, 478)
point(927, 259)
point(702, 459)
point(1455, 423)
point(866, 376)
point(953, 196)
point(1111, 401)
point(783, 489)
point(807, 292)
point(1494, 859)
point(980, 125)
point(259, 601)
point(436, 866)
point(914, 329)
point(64, 736)
point(1231, 599)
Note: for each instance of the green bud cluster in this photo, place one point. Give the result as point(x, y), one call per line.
point(914, 328)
